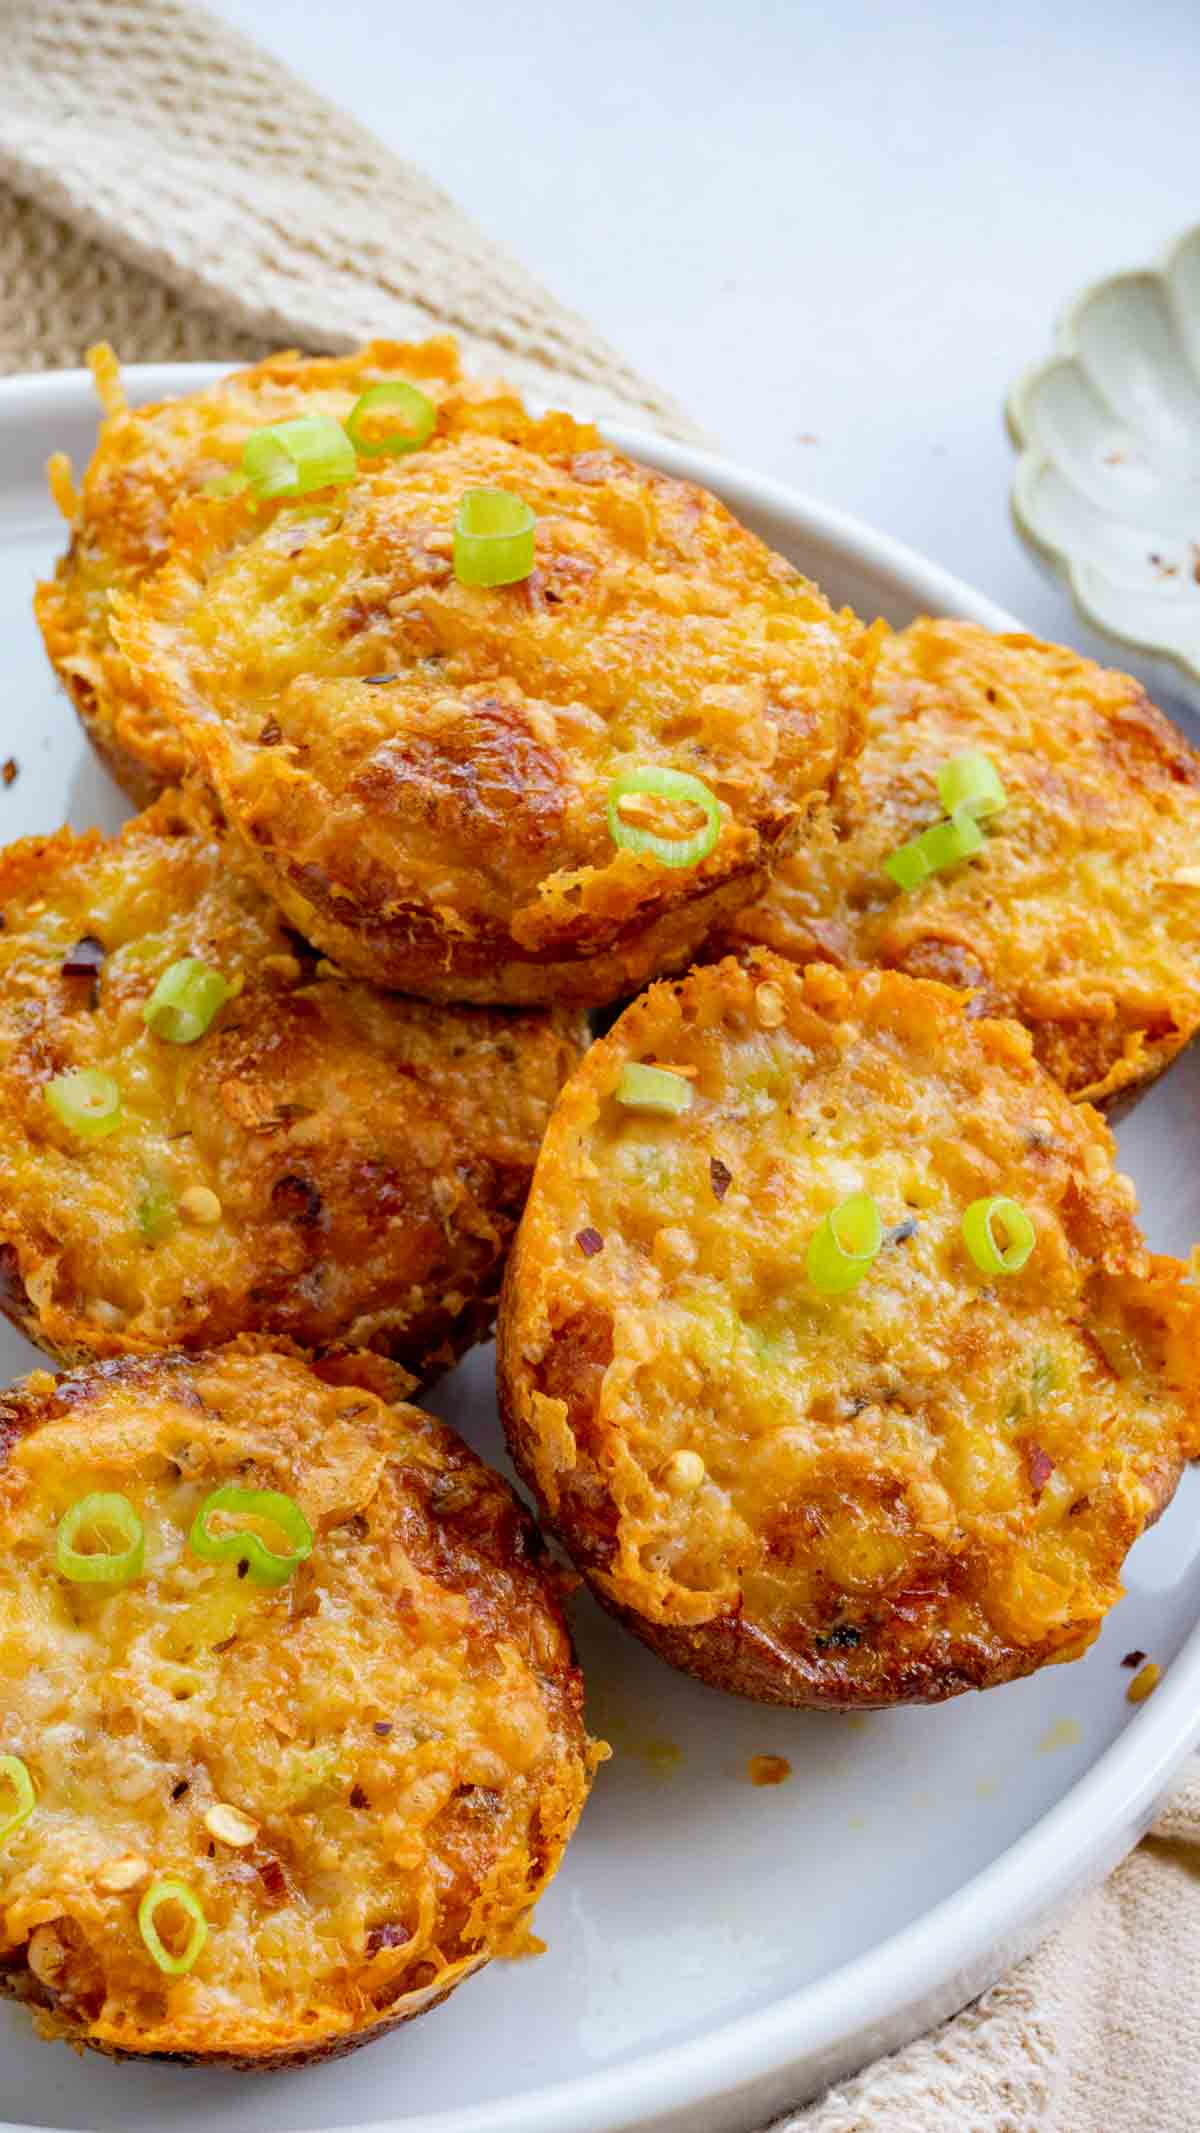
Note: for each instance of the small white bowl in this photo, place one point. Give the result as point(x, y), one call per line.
point(1107, 487)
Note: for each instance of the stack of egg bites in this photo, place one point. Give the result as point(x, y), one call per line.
point(828, 1342)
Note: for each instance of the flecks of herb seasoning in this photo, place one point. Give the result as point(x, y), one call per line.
point(590, 1242)
point(903, 1231)
point(845, 1638)
point(1040, 1466)
point(378, 681)
point(721, 1177)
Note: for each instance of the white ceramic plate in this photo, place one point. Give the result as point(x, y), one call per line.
point(715, 1952)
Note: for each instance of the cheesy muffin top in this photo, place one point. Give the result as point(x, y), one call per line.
point(146, 458)
point(830, 1344)
point(508, 791)
point(205, 1130)
point(1079, 913)
point(291, 1735)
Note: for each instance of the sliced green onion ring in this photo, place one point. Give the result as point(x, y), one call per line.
point(103, 1513)
point(945, 843)
point(666, 784)
point(907, 866)
point(293, 458)
point(267, 1565)
point(845, 1245)
point(652, 1088)
point(418, 419)
point(942, 845)
point(227, 485)
point(998, 1234)
point(156, 1212)
point(493, 538)
point(14, 1773)
point(971, 782)
point(86, 1102)
point(186, 998)
point(176, 1892)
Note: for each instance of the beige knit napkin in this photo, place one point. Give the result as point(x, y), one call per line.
point(168, 187)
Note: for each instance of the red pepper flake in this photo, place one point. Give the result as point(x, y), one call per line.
point(271, 734)
point(272, 1877)
point(358, 1797)
point(1134, 1659)
point(9, 771)
point(1041, 1466)
point(590, 1242)
point(721, 1178)
point(85, 959)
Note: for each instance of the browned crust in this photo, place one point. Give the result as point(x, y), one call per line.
point(503, 1531)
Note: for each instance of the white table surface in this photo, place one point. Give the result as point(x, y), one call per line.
point(835, 232)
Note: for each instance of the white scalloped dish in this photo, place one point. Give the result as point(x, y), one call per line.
point(1107, 488)
point(715, 1952)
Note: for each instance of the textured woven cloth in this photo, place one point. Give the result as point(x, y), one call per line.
point(169, 188)
point(173, 190)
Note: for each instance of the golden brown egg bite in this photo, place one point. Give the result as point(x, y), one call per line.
point(322, 1161)
point(798, 1427)
point(145, 459)
point(429, 775)
point(1080, 915)
point(292, 1737)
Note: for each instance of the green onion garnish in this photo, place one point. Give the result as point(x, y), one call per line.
point(102, 1514)
point(418, 417)
point(942, 845)
point(493, 538)
point(667, 784)
point(85, 1101)
point(267, 1565)
point(156, 1213)
point(227, 485)
point(842, 1250)
point(176, 1892)
point(14, 1771)
point(651, 1088)
point(972, 783)
point(293, 458)
point(184, 1001)
point(998, 1234)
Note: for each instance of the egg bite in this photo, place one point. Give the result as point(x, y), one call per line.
point(146, 458)
point(292, 1735)
point(550, 788)
point(1078, 913)
point(829, 1342)
point(205, 1130)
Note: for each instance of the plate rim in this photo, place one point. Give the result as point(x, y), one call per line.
point(932, 1966)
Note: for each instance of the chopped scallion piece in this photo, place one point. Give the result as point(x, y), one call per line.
point(14, 1774)
point(227, 485)
point(158, 1896)
point(845, 1245)
point(998, 1234)
point(651, 1088)
point(493, 538)
point(102, 1515)
point(908, 866)
point(184, 1001)
point(293, 458)
point(241, 1543)
point(156, 1213)
point(971, 782)
point(417, 420)
point(943, 844)
point(86, 1102)
point(666, 784)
